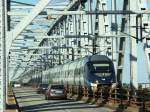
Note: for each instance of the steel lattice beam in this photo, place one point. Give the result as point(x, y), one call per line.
point(27, 20)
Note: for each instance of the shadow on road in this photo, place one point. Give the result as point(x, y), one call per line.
point(28, 96)
point(29, 100)
point(58, 105)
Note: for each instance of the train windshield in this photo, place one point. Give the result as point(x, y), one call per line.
point(101, 69)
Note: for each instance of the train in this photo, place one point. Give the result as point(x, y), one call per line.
point(83, 72)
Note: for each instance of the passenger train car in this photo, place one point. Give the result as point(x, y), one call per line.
point(82, 72)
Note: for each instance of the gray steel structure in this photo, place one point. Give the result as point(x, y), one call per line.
point(73, 30)
point(3, 61)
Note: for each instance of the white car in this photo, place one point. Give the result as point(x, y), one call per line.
point(56, 91)
point(17, 85)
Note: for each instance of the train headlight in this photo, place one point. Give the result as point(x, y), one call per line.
point(103, 79)
point(96, 82)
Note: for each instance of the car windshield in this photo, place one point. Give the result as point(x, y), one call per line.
point(44, 85)
point(57, 87)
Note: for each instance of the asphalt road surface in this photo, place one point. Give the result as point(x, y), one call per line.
point(30, 101)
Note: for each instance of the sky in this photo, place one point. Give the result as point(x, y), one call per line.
point(36, 1)
point(148, 4)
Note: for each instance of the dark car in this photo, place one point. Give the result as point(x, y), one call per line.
point(42, 88)
point(56, 91)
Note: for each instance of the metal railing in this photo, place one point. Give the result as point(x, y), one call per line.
point(119, 96)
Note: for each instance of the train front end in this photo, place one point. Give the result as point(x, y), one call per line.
point(100, 69)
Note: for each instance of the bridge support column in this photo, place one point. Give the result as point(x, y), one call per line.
point(3, 65)
point(139, 72)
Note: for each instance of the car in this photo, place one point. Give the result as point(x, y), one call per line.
point(42, 88)
point(56, 91)
point(17, 85)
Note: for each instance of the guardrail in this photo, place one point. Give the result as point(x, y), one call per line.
point(12, 104)
point(117, 96)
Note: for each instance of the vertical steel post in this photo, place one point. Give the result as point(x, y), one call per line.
point(3, 58)
point(72, 54)
point(59, 52)
point(1, 64)
point(7, 24)
point(103, 28)
point(114, 32)
point(133, 50)
point(141, 53)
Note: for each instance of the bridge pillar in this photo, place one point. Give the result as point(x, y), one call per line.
point(139, 69)
point(3, 62)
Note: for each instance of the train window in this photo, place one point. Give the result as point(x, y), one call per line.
point(101, 67)
point(81, 70)
point(70, 72)
point(75, 71)
point(66, 74)
point(78, 71)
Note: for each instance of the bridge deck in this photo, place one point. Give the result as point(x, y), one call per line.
point(30, 101)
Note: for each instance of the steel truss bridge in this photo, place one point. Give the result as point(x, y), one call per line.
point(37, 36)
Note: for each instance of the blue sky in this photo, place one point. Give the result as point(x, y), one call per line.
point(35, 1)
point(148, 4)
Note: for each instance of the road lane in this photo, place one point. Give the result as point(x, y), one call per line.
point(30, 101)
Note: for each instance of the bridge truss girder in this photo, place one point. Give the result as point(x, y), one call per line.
point(77, 23)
